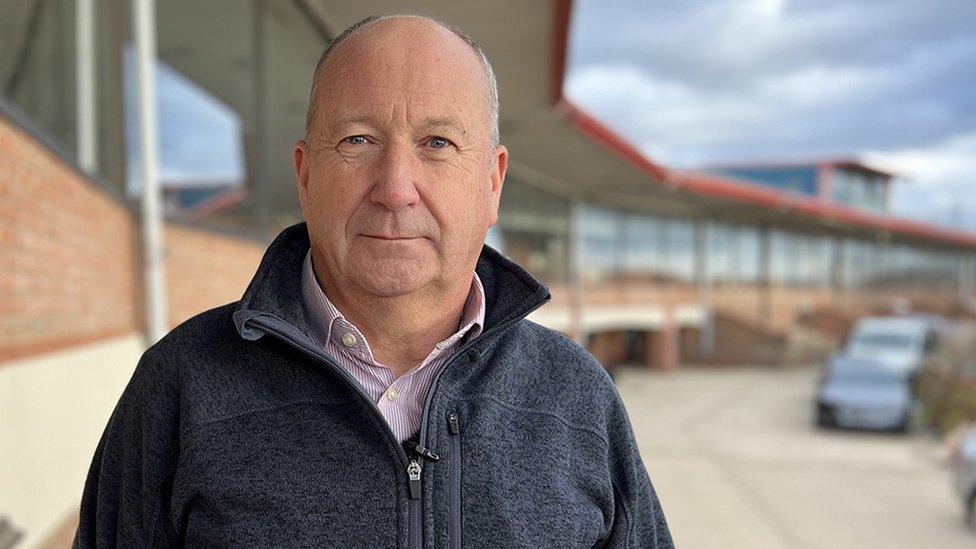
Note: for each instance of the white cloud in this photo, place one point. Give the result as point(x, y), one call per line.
point(738, 80)
point(948, 161)
point(935, 182)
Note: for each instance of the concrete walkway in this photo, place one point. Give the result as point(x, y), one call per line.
point(737, 463)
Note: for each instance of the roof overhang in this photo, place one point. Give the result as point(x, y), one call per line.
point(723, 198)
point(553, 143)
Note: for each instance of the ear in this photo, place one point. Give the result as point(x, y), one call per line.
point(301, 171)
point(499, 166)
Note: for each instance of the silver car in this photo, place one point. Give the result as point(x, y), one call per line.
point(964, 475)
point(860, 394)
point(898, 342)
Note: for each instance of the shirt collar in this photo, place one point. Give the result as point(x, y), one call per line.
point(321, 314)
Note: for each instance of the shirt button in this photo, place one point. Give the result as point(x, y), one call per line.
point(349, 339)
point(392, 393)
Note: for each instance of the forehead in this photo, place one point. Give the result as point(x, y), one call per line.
point(406, 61)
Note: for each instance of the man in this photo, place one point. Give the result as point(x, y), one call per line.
point(378, 385)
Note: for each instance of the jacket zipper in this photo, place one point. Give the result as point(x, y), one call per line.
point(433, 385)
point(454, 429)
point(289, 334)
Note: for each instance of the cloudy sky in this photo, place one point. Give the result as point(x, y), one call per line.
point(693, 83)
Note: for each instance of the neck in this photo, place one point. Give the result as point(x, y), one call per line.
point(401, 330)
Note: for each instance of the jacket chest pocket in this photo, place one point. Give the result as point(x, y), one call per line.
point(529, 480)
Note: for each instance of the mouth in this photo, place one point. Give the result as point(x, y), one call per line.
point(392, 238)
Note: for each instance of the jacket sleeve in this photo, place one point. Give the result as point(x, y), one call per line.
point(126, 494)
point(638, 518)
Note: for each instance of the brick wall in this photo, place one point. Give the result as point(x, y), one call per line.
point(70, 260)
point(204, 269)
point(66, 251)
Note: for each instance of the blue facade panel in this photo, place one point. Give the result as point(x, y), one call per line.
point(797, 179)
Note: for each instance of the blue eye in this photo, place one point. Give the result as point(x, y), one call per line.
point(356, 140)
point(438, 142)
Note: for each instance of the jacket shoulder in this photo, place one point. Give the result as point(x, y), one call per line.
point(200, 330)
point(203, 334)
point(558, 352)
point(542, 369)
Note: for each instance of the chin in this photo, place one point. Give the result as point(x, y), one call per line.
point(393, 277)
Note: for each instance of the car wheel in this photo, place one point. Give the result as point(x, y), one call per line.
point(903, 426)
point(825, 418)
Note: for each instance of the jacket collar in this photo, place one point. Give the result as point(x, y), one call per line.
point(275, 292)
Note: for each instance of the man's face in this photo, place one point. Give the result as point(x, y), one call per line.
point(399, 181)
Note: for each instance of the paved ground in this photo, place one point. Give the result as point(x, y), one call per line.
point(737, 463)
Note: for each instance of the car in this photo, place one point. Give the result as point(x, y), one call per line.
point(898, 342)
point(863, 394)
point(963, 459)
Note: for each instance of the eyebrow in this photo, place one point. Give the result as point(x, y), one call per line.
point(429, 122)
point(443, 122)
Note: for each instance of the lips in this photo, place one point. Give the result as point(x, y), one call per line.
point(382, 237)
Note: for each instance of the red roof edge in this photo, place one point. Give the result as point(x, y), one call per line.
point(710, 186)
point(848, 163)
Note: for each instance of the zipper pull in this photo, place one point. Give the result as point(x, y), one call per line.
point(413, 473)
point(453, 424)
point(426, 453)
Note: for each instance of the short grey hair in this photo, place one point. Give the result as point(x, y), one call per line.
point(492, 91)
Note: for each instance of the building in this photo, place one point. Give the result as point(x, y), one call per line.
point(646, 264)
point(847, 182)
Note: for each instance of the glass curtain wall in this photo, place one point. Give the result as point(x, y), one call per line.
point(733, 254)
point(533, 230)
point(38, 66)
point(38, 76)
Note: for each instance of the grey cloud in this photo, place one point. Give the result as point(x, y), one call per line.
point(824, 77)
point(699, 82)
point(726, 42)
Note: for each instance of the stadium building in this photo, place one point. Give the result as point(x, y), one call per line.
point(646, 264)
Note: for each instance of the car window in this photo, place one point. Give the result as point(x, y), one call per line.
point(885, 340)
point(874, 376)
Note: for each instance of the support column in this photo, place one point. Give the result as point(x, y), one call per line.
point(85, 80)
point(144, 27)
point(703, 277)
point(662, 347)
point(966, 270)
point(765, 312)
point(837, 270)
point(577, 329)
point(262, 185)
point(877, 290)
point(765, 279)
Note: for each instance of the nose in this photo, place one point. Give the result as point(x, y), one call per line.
point(395, 179)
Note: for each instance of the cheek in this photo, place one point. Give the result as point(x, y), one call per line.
point(334, 201)
point(459, 214)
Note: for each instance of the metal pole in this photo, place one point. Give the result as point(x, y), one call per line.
point(144, 12)
point(85, 83)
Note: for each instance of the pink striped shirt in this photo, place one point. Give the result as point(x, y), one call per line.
point(401, 400)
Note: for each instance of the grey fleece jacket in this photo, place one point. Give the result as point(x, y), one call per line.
point(236, 430)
